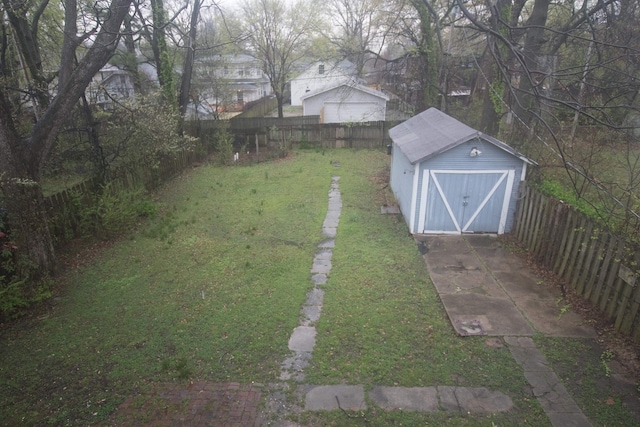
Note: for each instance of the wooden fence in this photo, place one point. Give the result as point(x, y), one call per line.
point(259, 108)
point(298, 131)
point(64, 208)
point(601, 267)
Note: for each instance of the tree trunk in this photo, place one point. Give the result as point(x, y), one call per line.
point(187, 72)
point(30, 228)
point(527, 106)
point(280, 99)
point(24, 203)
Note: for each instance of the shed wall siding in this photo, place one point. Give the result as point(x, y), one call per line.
point(401, 178)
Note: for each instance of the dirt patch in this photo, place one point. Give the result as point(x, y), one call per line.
point(197, 404)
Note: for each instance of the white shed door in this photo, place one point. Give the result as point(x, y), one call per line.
point(465, 201)
point(344, 112)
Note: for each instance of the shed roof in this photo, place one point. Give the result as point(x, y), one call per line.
point(433, 132)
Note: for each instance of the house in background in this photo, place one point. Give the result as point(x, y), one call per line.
point(109, 86)
point(345, 103)
point(228, 82)
point(450, 179)
point(319, 75)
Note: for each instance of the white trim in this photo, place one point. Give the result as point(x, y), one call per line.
point(423, 200)
point(467, 172)
point(440, 232)
point(414, 198)
point(506, 202)
point(523, 174)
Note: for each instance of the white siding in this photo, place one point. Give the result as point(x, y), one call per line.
point(345, 104)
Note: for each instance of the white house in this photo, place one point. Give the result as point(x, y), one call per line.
point(110, 85)
point(319, 75)
point(345, 102)
point(228, 82)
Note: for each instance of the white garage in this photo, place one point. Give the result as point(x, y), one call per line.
point(345, 103)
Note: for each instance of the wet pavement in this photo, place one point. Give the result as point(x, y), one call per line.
point(487, 290)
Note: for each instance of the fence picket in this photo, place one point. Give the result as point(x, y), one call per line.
point(583, 249)
point(627, 326)
point(592, 266)
point(624, 304)
point(569, 249)
point(538, 236)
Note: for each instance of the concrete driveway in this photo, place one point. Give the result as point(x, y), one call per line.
point(487, 290)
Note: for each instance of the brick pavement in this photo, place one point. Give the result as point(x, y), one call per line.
point(197, 404)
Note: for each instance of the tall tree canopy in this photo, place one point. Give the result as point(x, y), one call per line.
point(280, 35)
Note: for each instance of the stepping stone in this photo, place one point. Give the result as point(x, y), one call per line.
point(389, 210)
point(324, 254)
point(417, 399)
point(482, 401)
point(321, 266)
point(311, 314)
point(330, 231)
point(303, 339)
point(319, 279)
point(331, 397)
point(328, 244)
point(315, 297)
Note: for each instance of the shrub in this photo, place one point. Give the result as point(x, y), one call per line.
point(224, 145)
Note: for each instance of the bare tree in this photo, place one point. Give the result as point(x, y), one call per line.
point(279, 35)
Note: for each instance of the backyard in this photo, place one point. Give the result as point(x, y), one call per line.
point(211, 288)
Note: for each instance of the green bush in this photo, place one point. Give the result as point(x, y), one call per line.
point(224, 144)
point(111, 211)
point(557, 190)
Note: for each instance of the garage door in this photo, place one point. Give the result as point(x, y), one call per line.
point(465, 201)
point(345, 112)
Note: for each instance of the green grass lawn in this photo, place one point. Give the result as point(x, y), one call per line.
point(211, 289)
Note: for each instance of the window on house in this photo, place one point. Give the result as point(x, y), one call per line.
point(321, 69)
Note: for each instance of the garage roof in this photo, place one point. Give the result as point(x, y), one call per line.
point(433, 132)
point(349, 85)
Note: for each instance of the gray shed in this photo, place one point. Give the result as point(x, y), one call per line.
point(449, 178)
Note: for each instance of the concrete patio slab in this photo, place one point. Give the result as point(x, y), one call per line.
point(551, 318)
point(497, 316)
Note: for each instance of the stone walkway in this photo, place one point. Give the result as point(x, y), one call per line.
point(353, 397)
point(552, 395)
